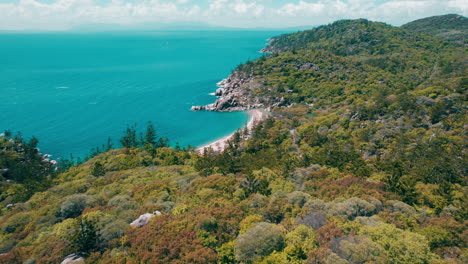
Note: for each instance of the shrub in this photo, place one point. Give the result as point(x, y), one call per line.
point(300, 242)
point(73, 205)
point(118, 200)
point(400, 246)
point(226, 253)
point(298, 198)
point(277, 258)
point(85, 238)
point(315, 205)
point(401, 207)
point(98, 169)
point(361, 250)
point(259, 241)
point(313, 219)
point(113, 230)
point(249, 222)
point(16, 223)
point(351, 208)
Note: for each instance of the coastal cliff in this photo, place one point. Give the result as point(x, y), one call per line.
point(233, 95)
point(236, 93)
point(241, 91)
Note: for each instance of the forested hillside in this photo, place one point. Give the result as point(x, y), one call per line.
point(363, 160)
point(449, 27)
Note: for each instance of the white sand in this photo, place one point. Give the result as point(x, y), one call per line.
point(219, 145)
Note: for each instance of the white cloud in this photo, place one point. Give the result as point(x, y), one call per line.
point(301, 8)
point(66, 14)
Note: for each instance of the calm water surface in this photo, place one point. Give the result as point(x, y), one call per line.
point(73, 91)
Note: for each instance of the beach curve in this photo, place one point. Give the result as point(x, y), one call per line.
point(255, 116)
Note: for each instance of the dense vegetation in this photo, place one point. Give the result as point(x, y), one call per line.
point(449, 27)
point(23, 170)
point(361, 161)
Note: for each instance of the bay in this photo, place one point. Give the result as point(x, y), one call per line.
point(74, 90)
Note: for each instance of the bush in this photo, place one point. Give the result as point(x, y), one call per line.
point(400, 246)
point(73, 205)
point(113, 230)
point(118, 200)
point(298, 198)
point(85, 238)
point(315, 205)
point(351, 208)
point(401, 207)
point(361, 250)
point(259, 241)
point(313, 219)
point(300, 242)
point(16, 223)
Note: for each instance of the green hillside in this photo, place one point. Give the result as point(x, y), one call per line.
point(362, 160)
point(449, 27)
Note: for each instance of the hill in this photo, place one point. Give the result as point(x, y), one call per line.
point(449, 27)
point(361, 161)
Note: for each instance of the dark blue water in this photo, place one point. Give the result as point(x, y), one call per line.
point(73, 91)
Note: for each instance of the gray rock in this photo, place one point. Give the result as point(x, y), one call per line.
point(144, 219)
point(219, 91)
point(73, 259)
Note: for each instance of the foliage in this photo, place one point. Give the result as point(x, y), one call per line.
point(400, 246)
point(451, 27)
point(362, 161)
point(86, 237)
point(23, 169)
point(260, 240)
point(73, 205)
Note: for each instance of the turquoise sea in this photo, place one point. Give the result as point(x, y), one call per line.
point(74, 90)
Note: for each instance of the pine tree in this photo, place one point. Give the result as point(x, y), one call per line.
point(150, 136)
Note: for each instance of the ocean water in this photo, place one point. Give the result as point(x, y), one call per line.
point(74, 90)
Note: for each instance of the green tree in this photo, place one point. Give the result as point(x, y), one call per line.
point(259, 241)
point(129, 140)
point(86, 237)
point(150, 135)
point(401, 246)
point(98, 169)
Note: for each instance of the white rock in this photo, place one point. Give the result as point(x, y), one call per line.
point(73, 259)
point(142, 220)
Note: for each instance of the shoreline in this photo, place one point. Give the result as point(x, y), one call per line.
point(218, 145)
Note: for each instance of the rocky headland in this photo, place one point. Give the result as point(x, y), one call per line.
point(232, 95)
point(235, 92)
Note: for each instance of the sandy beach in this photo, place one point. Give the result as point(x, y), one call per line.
point(255, 115)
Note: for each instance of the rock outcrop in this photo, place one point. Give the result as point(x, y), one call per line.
point(73, 259)
point(144, 219)
point(232, 96)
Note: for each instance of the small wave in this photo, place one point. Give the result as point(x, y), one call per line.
point(211, 93)
point(92, 103)
point(62, 87)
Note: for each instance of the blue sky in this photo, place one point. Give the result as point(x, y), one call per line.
point(70, 14)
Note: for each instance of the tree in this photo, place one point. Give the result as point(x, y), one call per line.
point(129, 140)
point(86, 238)
point(401, 246)
point(259, 241)
point(73, 205)
point(300, 242)
point(98, 169)
point(253, 185)
point(150, 135)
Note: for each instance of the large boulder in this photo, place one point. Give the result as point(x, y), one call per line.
point(144, 219)
point(73, 259)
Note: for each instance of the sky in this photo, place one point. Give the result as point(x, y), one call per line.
point(73, 14)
